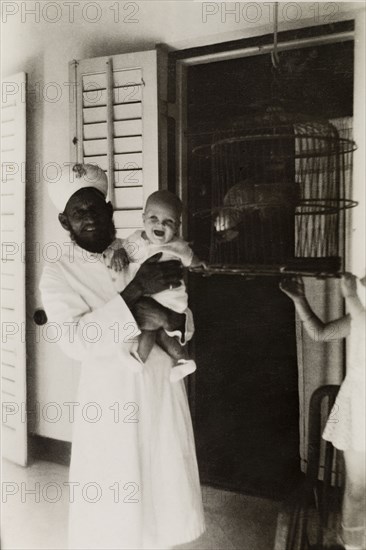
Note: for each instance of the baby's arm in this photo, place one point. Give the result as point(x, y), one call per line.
point(196, 262)
point(316, 329)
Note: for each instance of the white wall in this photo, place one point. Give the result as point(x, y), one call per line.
point(34, 44)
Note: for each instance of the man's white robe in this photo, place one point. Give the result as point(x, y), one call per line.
point(133, 477)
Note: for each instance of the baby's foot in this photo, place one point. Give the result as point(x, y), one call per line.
point(182, 369)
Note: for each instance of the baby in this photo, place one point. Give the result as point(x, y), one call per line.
point(161, 219)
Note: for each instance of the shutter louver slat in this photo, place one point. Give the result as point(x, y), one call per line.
point(128, 145)
point(8, 204)
point(124, 111)
point(128, 218)
point(127, 111)
point(6, 282)
point(124, 232)
point(8, 391)
point(128, 178)
point(8, 298)
point(9, 345)
point(8, 314)
point(8, 222)
point(121, 162)
point(7, 157)
point(96, 147)
point(8, 114)
point(8, 369)
point(128, 198)
point(7, 268)
point(122, 128)
point(7, 128)
point(125, 77)
point(126, 94)
point(7, 188)
point(8, 143)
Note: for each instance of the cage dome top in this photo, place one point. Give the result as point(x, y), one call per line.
point(289, 133)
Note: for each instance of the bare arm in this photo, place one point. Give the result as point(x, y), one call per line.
point(315, 327)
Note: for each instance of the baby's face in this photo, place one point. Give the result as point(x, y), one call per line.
point(161, 223)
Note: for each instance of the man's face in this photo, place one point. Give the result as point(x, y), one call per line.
point(89, 220)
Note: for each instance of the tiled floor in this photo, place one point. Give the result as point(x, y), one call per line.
point(233, 521)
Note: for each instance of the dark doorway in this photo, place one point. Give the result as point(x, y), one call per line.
point(245, 393)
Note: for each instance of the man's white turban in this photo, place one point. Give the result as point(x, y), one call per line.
point(74, 178)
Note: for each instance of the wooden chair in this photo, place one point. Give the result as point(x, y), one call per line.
point(307, 520)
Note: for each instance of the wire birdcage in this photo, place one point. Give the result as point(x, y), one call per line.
point(280, 184)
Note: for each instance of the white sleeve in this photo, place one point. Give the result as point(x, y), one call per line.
point(186, 255)
point(84, 330)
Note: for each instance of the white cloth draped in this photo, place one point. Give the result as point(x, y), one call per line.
point(133, 467)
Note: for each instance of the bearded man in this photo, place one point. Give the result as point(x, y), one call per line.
point(133, 480)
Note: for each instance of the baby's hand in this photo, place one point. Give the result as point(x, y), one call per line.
point(293, 287)
point(196, 262)
point(348, 285)
point(119, 259)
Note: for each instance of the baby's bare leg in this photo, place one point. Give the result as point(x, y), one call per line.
point(146, 342)
point(183, 366)
point(170, 345)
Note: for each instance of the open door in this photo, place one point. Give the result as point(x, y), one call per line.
point(13, 345)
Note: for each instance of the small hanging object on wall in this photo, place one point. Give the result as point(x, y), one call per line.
point(280, 184)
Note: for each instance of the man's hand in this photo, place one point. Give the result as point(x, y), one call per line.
point(154, 276)
point(150, 315)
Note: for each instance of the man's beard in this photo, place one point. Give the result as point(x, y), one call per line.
point(101, 241)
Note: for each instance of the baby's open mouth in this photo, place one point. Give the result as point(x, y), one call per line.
point(158, 233)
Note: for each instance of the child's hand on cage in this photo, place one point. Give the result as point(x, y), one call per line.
point(119, 259)
point(348, 285)
point(293, 287)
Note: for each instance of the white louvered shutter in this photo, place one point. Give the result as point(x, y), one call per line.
point(13, 350)
point(114, 123)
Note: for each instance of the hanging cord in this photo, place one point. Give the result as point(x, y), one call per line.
point(274, 54)
point(276, 71)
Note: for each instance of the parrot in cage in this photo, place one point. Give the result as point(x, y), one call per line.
point(251, 195)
